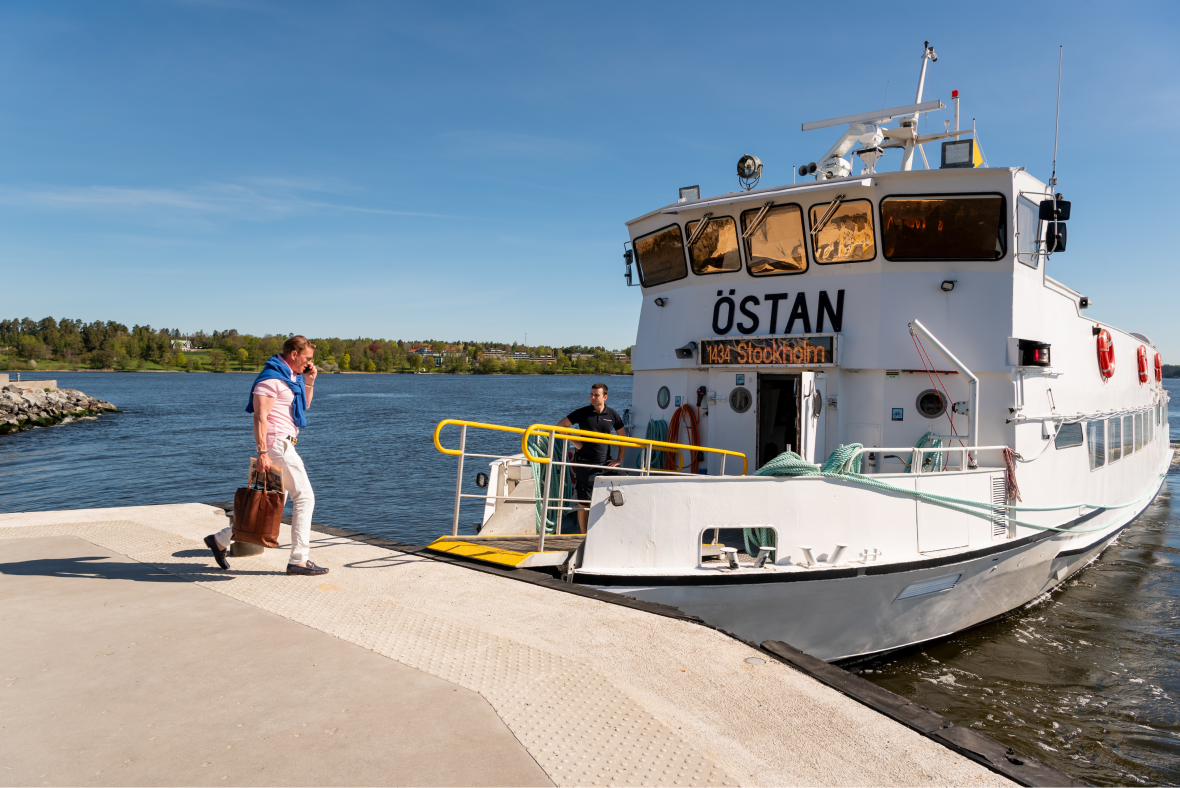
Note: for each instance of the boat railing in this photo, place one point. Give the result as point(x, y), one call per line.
point(554, 433)
point(916, 460)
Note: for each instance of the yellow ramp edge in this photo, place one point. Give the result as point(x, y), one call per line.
point(477, 551)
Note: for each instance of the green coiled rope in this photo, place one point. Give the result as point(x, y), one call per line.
point(560, 480)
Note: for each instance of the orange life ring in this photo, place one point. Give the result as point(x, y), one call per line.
point(685, 414)
point(1159, 368)
point(1105, 354)
point(1142, 354)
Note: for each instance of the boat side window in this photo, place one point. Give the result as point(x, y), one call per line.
point(1069, 435)
point(1096, 440)
point(660, 256)
point(1114, 438)
point(1138, 431)
point(716, 250)
point(774, 243)
point(959, 227)
point(1128, 435)
point(1028, 232)
point(843, 235)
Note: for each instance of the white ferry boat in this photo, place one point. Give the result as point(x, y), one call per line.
point(901, 423)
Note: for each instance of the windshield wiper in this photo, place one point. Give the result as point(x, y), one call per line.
point(827, 217)
point(757, 220)
point(704, 221)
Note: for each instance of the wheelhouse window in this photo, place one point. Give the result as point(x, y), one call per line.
point(963, 227)
point(1096, 439)
point(716, 249)
point(842, 232)
point(660, 256)
point(774, 240)
point(1114, 435)
point(1028, 229)
point(1069, 435)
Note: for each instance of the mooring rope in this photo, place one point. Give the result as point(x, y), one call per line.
point(837, 467)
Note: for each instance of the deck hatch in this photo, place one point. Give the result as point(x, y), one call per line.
point(926, 587)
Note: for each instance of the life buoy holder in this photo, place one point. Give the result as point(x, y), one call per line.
point(1105, 354)
point(1142, 357)
point(1159, 368)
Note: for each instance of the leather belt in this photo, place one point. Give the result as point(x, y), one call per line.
point(293, 439)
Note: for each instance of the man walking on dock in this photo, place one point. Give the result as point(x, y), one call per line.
point(279, 400)
point(595, 417)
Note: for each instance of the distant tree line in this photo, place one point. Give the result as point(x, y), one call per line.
point(112, 345)
point(1172, 370)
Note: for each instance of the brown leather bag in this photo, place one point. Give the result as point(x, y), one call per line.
point(257, 515)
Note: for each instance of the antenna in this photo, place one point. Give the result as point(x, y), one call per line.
point(1057, 122)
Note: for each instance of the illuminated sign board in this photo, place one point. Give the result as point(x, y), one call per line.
point(805, 350)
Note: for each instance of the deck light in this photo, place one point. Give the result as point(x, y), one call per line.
point(689, 193)
point(749, 171)
point(948, 285)
point(661, 301)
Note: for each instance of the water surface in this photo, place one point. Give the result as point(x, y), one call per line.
point(368, 447)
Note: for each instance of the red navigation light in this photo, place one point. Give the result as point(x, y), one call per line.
point(954, 94)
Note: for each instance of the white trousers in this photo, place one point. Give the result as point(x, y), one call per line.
point(283, 455)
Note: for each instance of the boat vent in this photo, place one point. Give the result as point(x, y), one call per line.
point(944, 583)
point(999, 501)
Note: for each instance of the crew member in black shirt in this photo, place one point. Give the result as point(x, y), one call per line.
point(595, 417)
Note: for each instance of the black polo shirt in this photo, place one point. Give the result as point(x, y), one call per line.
point(587, 419)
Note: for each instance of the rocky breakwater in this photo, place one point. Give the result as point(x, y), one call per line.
point(21, 408)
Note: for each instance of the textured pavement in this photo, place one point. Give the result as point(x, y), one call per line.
point(543, 685)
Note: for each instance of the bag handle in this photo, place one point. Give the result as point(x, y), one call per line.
point(255, 484)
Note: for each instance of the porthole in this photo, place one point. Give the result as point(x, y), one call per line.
point(740, 399)
point(931, 404)
point(663, 396)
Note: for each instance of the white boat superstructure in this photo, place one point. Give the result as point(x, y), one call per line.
point(936, 433)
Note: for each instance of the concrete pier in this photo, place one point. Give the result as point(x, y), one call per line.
point(131, 659)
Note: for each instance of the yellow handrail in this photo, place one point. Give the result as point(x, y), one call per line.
point(587, 436)
point(571, 432)
point(463, 423)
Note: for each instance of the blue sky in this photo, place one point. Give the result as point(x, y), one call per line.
point(464, 171)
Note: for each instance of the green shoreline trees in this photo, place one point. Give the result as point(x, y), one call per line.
point(72, 344)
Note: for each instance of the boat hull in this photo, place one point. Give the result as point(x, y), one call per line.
point(857, 612)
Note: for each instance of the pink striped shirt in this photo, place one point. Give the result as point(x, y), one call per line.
point(279, 423)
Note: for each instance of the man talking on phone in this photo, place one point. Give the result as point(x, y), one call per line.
point(279, 400)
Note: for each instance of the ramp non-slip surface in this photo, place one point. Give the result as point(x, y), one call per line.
point(597, 694)
point(518, 551)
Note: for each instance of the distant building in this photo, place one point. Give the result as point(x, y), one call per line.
point(182, 345)
point(449, 353)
